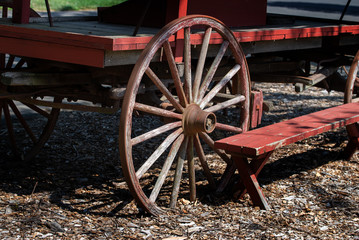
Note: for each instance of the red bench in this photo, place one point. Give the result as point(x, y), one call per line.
point(258, 145)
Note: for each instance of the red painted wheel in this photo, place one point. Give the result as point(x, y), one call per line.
point(179, 113)
point(25, 140)
point(351, 93)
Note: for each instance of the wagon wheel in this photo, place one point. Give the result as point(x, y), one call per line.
point(352, 84)
point(187, 121)
point(351, 94)
point(26, 140)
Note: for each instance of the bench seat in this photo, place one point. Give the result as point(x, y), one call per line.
point(258, 144)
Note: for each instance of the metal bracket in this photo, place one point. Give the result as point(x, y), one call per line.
point(256, 108)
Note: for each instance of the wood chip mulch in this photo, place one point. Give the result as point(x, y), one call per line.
point(74, 189)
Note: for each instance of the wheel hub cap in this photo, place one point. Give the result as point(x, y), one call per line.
point(196, 120)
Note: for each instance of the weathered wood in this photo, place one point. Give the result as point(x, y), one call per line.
point(166, 167)
point(250, 182)
point(155, 132)
point(316, 78)
point(178, 173)
point(91, 35)
point(200, 64)
point(269, 138)
point(219, 86)
point(222, 105)
point(44, 79)
point(258, 144)
point(191, 170)
point(158, 152)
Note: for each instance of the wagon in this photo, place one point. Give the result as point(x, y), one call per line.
point(193, 74)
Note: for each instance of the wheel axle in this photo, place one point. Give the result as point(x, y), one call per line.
point(196, 120)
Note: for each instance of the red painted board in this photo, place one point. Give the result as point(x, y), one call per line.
point(136, 43)
point(265, 139)
point(265, 34)
point(232, 13)
point(53, 51)
point(21, 11)
point(291, 32)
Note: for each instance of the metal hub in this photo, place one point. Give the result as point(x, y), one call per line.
point(196, 120)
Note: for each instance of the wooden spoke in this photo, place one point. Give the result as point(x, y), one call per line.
point(164, 89)
point(203, 160)
point(178, 173)
point(20, 63)
point(22, 121)
point(156, 111)
point(191, 171)
point(207, 139)
point(187, 64)
point(223, 105)
point(201, 62)
point(228, 128)
point(166, 167)
point(2, 60)
point(155, 132)
point(4, 12)
point(10, 128)
point(158, 152)
point(10, 62)
point(1, 106)
point(219, 86)
point(212, 70)
point(174, 73)
point(37, 109)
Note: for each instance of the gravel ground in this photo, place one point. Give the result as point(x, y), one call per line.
point(74, 189)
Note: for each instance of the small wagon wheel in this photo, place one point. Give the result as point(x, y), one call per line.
point(185, 115)
point(351, 94)
point(25, 140)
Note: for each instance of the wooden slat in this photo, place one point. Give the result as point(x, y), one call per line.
point(53, 51)
point(73, 35)
point(117, 37)
point(266, 139)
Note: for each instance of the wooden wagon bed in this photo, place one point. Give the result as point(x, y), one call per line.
point(88, 42)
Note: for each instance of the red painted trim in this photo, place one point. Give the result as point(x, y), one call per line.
point(290, 33)
point(249, 179)
point(21, 11)
point(137, 43)
point(280, 34)
point(56, 37)
point(182, 8)
point(53, 51)
point(259, 141)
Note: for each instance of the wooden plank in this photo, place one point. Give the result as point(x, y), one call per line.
point(21, 11)
point(266, 139)
point(43, 33)
point(53, 51)
point(90, 36)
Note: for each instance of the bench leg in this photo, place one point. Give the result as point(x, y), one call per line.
point(227, 176)
point(256, 166)
point(353, 144)
point(351, 148)
point(249, 179)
